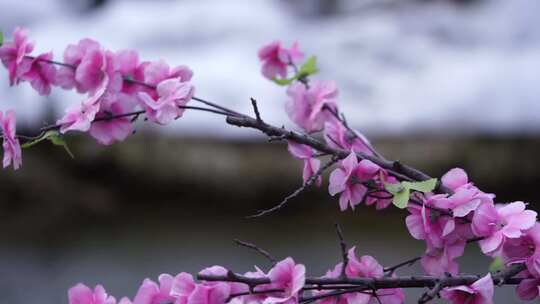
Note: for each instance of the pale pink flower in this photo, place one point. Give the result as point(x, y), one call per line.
point(186, 291)
point(127, 62)
point(80, 117)
point(455, 178)
point(338, 136)
point(347, 179)
point(40, 74)
point(151, 293)
point(311, 164)
point(305, 106)
point(497, 223)
point(367, 267)
point(173, 94)
point(82, 294)
point(440, 260)
point(107, 132)
point(290, 277)
point(74, 55)
point(11, 145)
point(525, 249)
point(12, 54)
point(276, 58)
point(125, 300)
point(158, 71)
point(480, 292)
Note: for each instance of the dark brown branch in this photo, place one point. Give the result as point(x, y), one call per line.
point(505, 277)
point(403, 172)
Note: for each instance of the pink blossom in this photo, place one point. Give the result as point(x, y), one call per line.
point(528, 289)
point(74, 55)
point(41, 75)
point(151, 293)
point(80, 117)
point(311, 164)
point(12, 148)
point(440, 260)
point(128, 65)
point(347, 179)
point(159, 71)
point(107, 132)
point(497, 223)
point(480, 292)
point(525, 249)
point(305, 106)
point(455, 178)
point(367, 267)
point(276, 58)
point(82, 294)
point(172, 95)
point(290, 277)
point(186, 291)
point(378, 198)
point(13, 53)
point(338, 136)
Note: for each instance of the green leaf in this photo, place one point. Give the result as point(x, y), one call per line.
point(57, 140)
point(1, 38)
point(54, 137)
point(423, 186)
point(393, 188)
point(309, 67)
point(496, 265)
point(283, 81)
point(401, 199)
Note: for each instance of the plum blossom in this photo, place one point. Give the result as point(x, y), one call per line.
point(347, 179)
point(82, 294)
point(480, 292)
point(172, 95)
point(525, 249)
point(290, 277)
point(86, 54)
point(40, 74)
point(305, 106)
point(440, 260)
point(276, 58)
point(501, 222)
point(159, 71)
point(11, 145)
point(186, 291)
point(13, 54)
point(107, 132)
point(151, 293)
point(311, 164)
point(80, 117)
point(338, 136)
point(130, 68)
point(367, 267)
point(528, 289)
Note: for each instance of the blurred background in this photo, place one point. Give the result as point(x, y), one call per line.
point(436, 84)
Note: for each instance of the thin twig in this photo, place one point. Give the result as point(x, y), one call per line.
point(261, 251)
point(256, 109)
point(301, 189)
point(343, 247)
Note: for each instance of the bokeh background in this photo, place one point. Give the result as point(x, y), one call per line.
point(436, 84)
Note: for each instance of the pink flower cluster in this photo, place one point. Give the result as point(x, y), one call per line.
point(116, 83)
point(446, 222)
point(287, 280)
